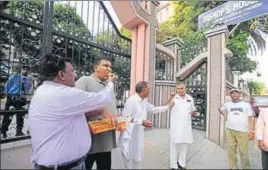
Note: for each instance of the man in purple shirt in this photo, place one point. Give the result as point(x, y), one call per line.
point(57, 123)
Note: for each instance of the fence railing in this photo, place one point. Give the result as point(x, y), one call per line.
point(187, 54)
point(196, 82)
point(164, 67)
point(78, 30)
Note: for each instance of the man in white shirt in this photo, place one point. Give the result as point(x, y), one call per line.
point(57, 123)
point(238, 115)
point(181, 134)
point(262, 135)
point(131, 140)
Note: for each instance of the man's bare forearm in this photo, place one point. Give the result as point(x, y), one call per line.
point(223, 113)
point(252, 123)
point(169, 100)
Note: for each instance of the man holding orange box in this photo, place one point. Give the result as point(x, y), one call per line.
point(102, 143)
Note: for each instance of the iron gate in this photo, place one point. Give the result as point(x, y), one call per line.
point(196, 84)
point(78, 30)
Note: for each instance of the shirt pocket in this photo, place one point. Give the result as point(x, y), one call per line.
point(189, 105)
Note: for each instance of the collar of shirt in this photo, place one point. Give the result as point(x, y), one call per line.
point(98, 80)
point(236, 101)
point(47, 82)
point(179, 97)
point(138, 97)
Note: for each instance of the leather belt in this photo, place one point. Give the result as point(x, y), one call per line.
point(62, 167)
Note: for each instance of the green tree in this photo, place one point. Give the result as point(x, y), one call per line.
point(125, 32)
point(184, 24)
point(65, 18)
point(113, 40)
point(28, 38)
point(256, 87)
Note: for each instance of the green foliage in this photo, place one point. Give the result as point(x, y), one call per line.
point(184, 24)
point(256, 87)
point(125, 32)
point(112, 40)
point(65, 18)
point(238, 45)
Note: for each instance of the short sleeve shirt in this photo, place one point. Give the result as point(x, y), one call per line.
point(237, 115)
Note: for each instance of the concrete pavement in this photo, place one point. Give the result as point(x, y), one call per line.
point(202, 154)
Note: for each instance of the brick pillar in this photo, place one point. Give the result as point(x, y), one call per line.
point(216, 83)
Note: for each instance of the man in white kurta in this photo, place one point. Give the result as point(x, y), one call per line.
point(131, 140)
point(181, 127)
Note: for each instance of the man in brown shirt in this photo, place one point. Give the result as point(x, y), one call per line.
point(102, 143)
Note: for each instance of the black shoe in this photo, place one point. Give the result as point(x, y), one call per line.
point(180, 167)
point(4, 134)
point(20, 134)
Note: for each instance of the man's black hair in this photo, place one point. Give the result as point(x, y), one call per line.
point(51, 65)
point(140, 86)
point(98, 60)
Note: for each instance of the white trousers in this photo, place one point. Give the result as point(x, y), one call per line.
point(131, 164)
point(178, 153)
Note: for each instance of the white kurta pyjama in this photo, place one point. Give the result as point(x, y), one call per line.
point(180, 129)
point(131, 140)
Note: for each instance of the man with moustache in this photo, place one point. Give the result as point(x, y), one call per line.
point(181, 135)
point(240, 125)
point(102, 143)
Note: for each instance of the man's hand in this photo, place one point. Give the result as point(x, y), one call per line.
point(261, 144)
point(108, 115)
point(112, 78)
point(224, 113)
point(251, 135)
point(193, 113)
point(147, 123)
point(171, 104)
point(172, 95)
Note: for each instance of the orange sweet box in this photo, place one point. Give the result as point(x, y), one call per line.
point(99, 126)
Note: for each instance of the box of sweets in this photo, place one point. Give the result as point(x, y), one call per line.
point(99, 126)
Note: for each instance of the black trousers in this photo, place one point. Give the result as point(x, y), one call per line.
point(18, 103)
point(264, 156)
point(103, 160)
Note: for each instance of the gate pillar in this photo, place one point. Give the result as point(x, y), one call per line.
point(216, 83)
point(140, 18)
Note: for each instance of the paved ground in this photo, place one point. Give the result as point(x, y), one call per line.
point(202, 154)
